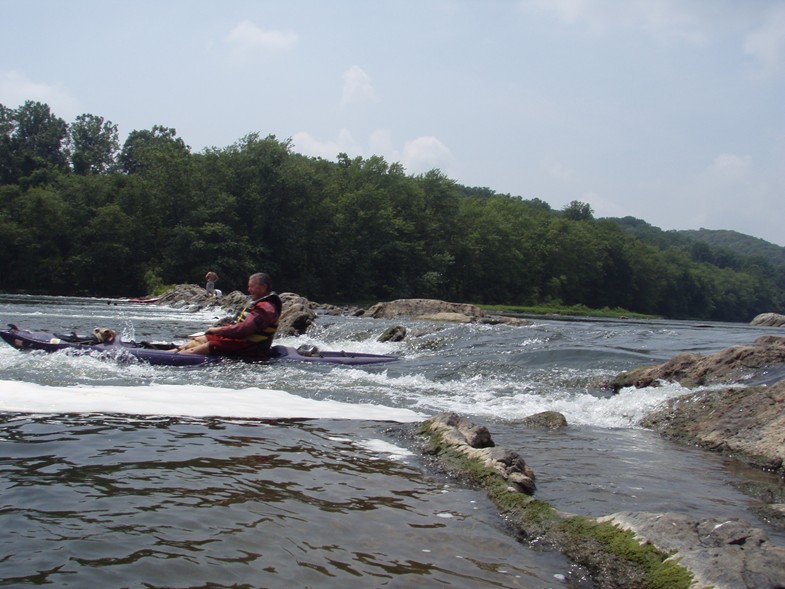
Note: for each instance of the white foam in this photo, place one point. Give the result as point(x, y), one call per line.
point(187, 400)
point(390, 451)
point(623, 410)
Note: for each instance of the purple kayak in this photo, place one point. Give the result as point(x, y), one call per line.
point(164, 354)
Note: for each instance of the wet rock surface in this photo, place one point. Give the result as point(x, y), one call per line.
point(436, 310)
point(620, 550)
point(729, 365)
point(745, 422)
point(416, 308)
point(724, 554)
point(769, 320)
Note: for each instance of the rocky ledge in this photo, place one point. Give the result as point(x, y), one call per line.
point(299, 313)
point(769, 320)
point(726, 366)
point(747, 422)
point(621, 550)
point(436, 310)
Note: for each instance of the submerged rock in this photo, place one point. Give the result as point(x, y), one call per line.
point(546, 420)
point(396, 333)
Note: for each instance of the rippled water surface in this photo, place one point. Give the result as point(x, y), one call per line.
point(295, 475)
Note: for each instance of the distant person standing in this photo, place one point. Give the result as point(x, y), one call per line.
point(211, 278)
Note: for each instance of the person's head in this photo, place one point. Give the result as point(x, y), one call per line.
point(259, 285)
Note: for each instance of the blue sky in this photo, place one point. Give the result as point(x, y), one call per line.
point(672, 111)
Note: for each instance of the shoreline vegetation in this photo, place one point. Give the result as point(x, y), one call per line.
point(77, 205)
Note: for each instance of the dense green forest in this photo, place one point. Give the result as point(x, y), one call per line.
point(81, 214)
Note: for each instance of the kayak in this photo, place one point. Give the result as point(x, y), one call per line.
point(146, 301)
point(164, 353)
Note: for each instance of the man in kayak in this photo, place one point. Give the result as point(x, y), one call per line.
point(253, 329)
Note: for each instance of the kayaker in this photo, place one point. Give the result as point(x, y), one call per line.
point(253, 329)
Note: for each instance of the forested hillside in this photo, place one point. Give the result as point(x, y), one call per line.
point(738, 243)
point(81, 214)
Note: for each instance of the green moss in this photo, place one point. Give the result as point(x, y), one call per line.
point(660, 573)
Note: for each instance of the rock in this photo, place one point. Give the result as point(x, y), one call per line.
point(189, 296)
point(729, 365)
point(235, 300)
point(723, 553)
point(463, 431)
point(392, 334)
point(769, 320)
point(297, 316)
point(504, 320)
point(444, 316)
point(546, 420)
point(748, 422)
point(417, 308)
point(475, 443)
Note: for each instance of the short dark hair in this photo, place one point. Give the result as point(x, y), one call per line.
point(262, 278)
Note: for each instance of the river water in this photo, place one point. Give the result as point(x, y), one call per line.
point(296, 475)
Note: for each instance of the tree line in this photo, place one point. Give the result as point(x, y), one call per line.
point(81, 214)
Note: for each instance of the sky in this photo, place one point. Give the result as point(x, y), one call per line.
point(670, 111)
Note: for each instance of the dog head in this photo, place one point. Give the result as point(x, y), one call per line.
point(104, 334)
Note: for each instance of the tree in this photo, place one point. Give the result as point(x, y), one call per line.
point(93, 144)
point(578, 211)
point(32, 144)
point(145, 149)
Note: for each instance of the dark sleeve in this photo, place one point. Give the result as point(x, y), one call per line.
point(260, 316)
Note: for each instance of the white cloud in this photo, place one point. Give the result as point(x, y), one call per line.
point(767, 44)
point(602, 206)
point(307, 144)
point(729, 166)
point(419, 155)
point(424, 154)
point(381, 143)
point(16, 88)
point(664, 18)
point(557, 170)
point(357, 87)
point(249, 40)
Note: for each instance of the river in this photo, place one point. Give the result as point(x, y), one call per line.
point(296, 475)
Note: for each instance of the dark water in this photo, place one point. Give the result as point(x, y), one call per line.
point(296, 475)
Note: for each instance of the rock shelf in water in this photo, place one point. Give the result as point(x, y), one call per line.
point(621, 550)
